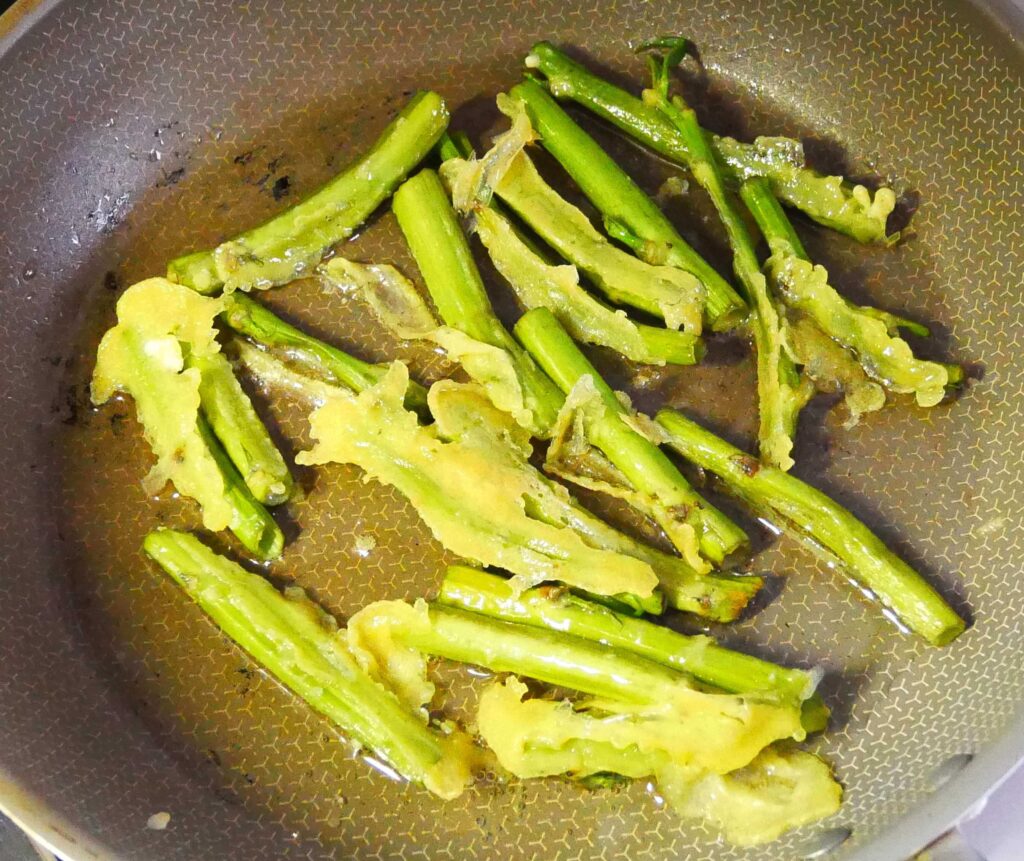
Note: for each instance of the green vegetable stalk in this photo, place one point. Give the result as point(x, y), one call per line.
point(505, 647)
point(699, 656)
point(469, 477)
point(849, 208)
point(433, 232)
point(693, 525)
point(623, 204)
point(250, 522)
point(292, 243)
point(825, 524)
point(300, 645)
point(663, 291)
point(255, 321)
point(869, 334)
point(230, 413)
point(781, 392)
point(144, 355)
point(539, 282)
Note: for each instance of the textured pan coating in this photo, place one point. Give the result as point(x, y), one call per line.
point(130, 134)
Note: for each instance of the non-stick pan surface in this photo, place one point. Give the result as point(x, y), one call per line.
point(132, 131)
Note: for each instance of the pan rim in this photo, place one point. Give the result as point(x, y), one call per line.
point(909, 834)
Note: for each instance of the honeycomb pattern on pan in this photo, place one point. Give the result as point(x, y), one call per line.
point(130, 133)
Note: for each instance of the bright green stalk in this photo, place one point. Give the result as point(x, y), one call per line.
point(700, 657)
point(245, 439)
point(720, 597)
point(829, 200)
point(442, 253)
point(662, 291)
point(772, 220)
point(454, 144)
point(292, 243)
point(251, 523)
point(167, 403)
point(813, 516)
point(642, 462)
point(248, 317)
point(668, 345)
point(548, 656)
point(538, 284)
point(538, 281)
point(869, 334)
point(298, 644)
point(780, 393)
point(623, 203)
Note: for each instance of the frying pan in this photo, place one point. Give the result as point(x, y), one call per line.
point(132, 131)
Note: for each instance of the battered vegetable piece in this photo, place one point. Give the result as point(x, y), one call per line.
point(258, 323)
point(709, 754)
point(235, 423)
point(781, 392)
point(475, 493)
point(300, 645)
point(693, 525)
point(144, 355)
point(442, 254)
point(469, 478)
point(830, 200)
point(290, 245)
point(868, 334)
point(641, 718)
point(275, 373)
point(539, 284)
point(697, 656)
point(664, 291)
point(629, 214)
